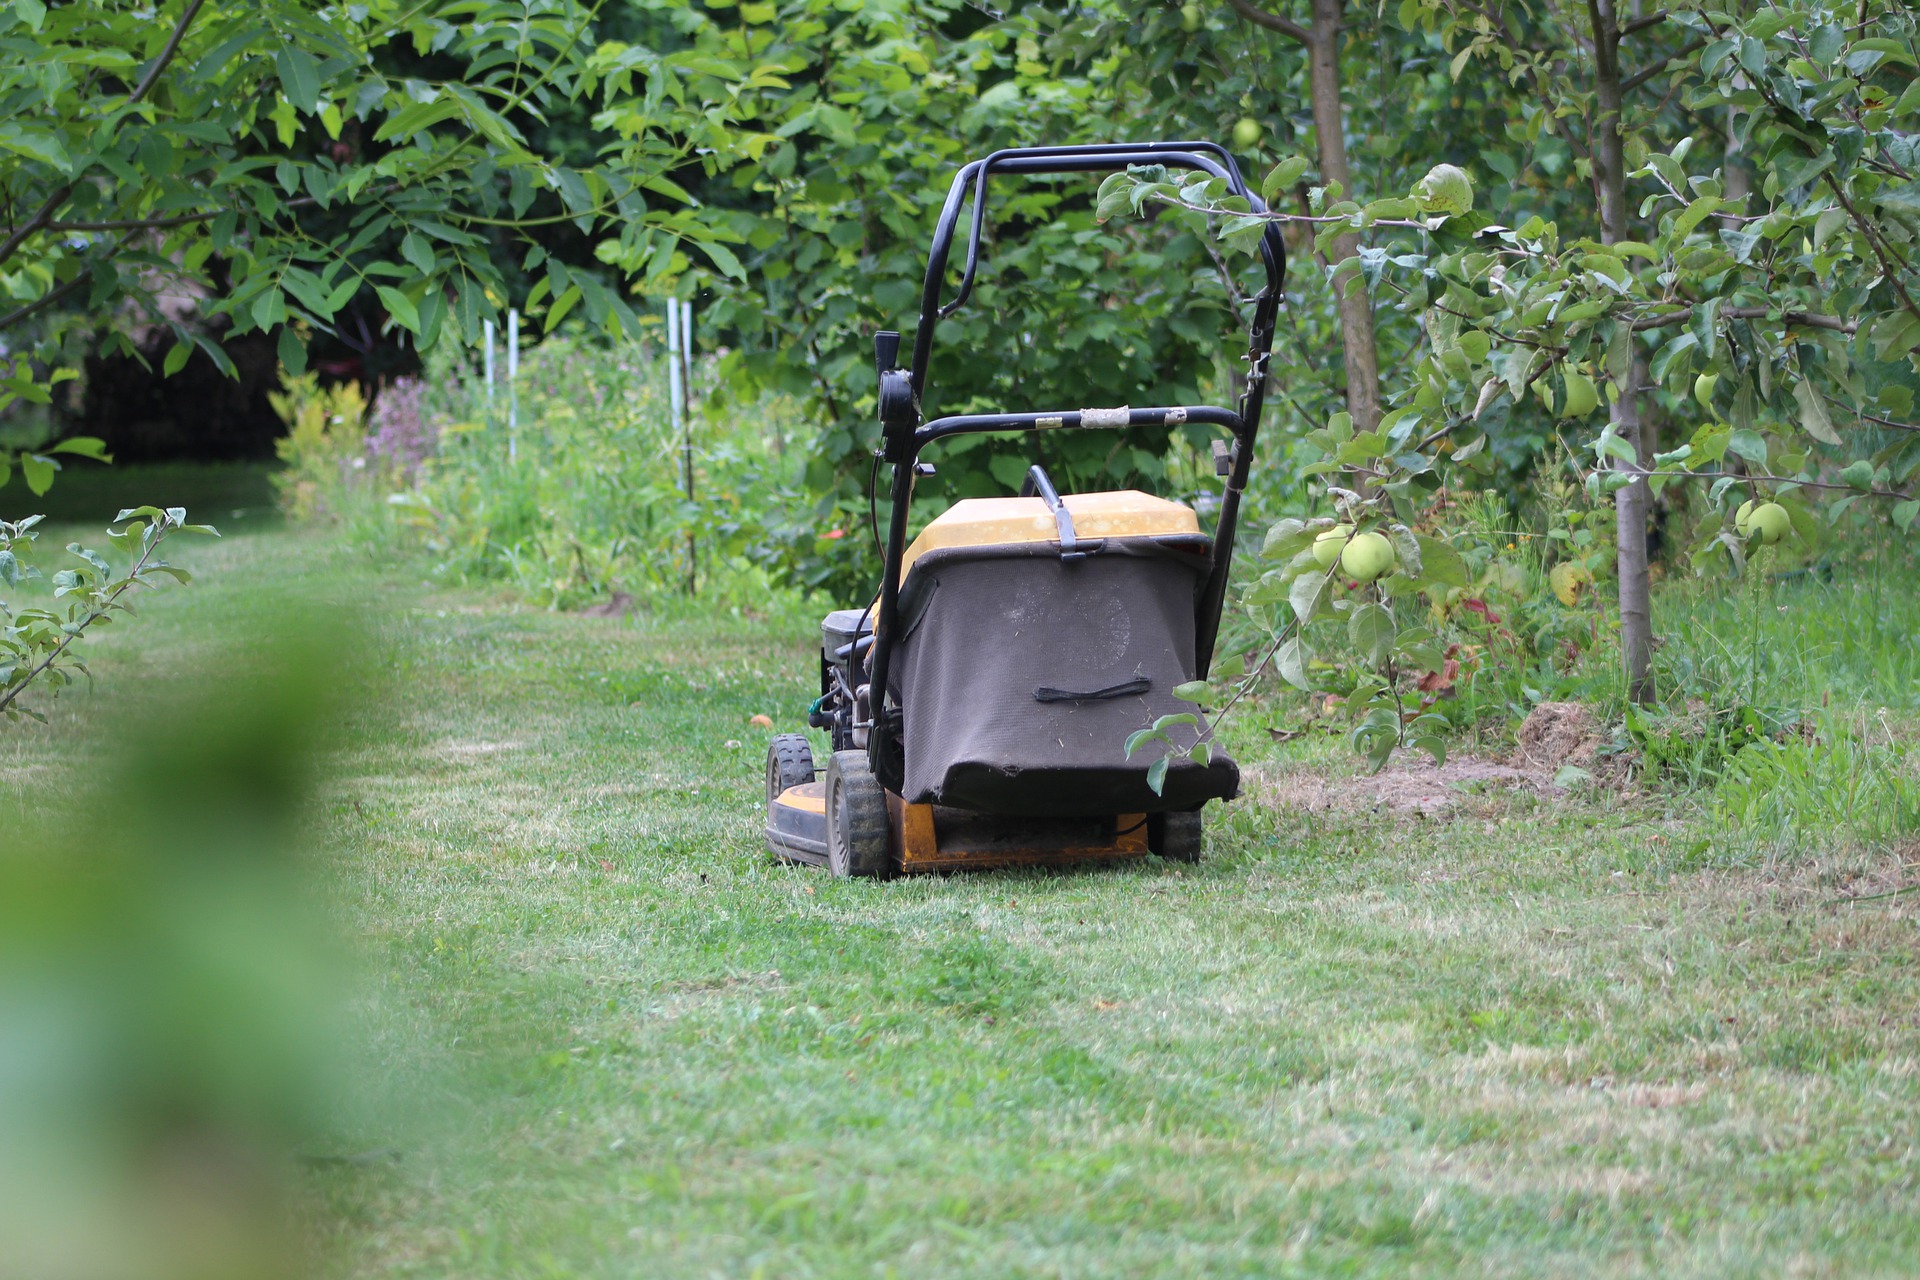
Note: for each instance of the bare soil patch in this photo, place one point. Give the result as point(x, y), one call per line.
point(1407, 786)
point(1554, 736)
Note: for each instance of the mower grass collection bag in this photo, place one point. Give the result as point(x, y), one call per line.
point(1021, 674)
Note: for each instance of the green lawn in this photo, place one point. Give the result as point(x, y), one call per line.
point(606, 1036)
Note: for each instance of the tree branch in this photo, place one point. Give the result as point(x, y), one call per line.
point(1876, 240)
point(1868, 417)
point(166, 53)
point(1639, 78)
point(15, 317)
point(1644, 474)
point(1271, 21)
point(40, 219)
point(94, 615)
point(1641, 24)
point(36, 223)
point(135, 224)
point(1806, 319)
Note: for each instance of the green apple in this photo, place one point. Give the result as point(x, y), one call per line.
point(1582, 396)
point(1367, 556)
point(1246, 134)
point(1189, 18)
point(1767, 521)
point(1331, 542)
point(1703, 389)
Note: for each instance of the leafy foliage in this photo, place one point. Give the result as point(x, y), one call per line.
point(278, 161)
point(886, 101)
point(35, 642)
point(1768, 309)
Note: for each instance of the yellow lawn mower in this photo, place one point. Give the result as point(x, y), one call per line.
point(979, 709)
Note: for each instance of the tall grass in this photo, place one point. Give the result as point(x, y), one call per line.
point(1836, 633)
point(585, 494)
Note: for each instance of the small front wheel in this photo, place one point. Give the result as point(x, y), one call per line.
point(859, 835)
point(1176, 837)
point(789, 764)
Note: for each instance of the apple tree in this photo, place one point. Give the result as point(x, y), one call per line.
point(1776, 310)
point(276, 160)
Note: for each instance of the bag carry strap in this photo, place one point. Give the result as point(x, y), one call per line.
point(1139, 684)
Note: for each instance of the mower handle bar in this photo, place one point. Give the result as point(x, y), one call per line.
point(1083, 419)
point(1205, 157)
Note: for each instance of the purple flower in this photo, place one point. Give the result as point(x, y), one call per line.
point(399, 435)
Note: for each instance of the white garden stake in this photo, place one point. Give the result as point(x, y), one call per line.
point(489, 361)
point(513, 392)
point(678, 325)
point(673, 363)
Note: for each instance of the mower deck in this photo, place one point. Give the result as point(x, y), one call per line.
point(935, 838)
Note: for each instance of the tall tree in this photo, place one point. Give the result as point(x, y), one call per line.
point(1321, 37)
point(1632, 500)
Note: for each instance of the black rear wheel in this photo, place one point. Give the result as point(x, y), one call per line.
point(789, 763)
point(1177, 837)
point(859, 837)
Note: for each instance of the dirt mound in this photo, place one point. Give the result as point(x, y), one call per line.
point(1409, 786)
point(1559, 733)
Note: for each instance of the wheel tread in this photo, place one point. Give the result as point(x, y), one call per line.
point(859, 829)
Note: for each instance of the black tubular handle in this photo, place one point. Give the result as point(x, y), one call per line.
point(1203, 157)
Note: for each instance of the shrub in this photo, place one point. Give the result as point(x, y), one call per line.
point(36, 643)
point(324, 449)
point(582, 496)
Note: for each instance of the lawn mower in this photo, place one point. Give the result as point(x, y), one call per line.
point(979, 708)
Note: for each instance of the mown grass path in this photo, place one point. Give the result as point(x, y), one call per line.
point(616, 1040)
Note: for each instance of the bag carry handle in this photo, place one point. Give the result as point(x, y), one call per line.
point(1139, 684)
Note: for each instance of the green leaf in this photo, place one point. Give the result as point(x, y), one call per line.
point(1193, 691)
point(724, 259)
point(1139, 738)
point(1904, 198)
point(299, 77)
point(399, 306)
point(293, 352)
point(176, 359)
point(85, 446)
point(1813, 413)
point(415, 249)
point(32, 12)
point(1282, 177)
point(1157, 774)
point(1308, 596)
point(561, 305)
point(1291, 659)
point(35, 145)
point(1287, 538)
point(1371, 629)
point(1440, 563)
point(1797, 171)
point(39, 472)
